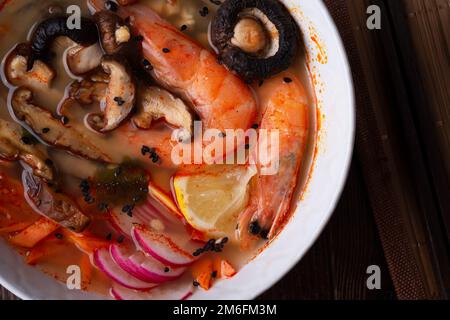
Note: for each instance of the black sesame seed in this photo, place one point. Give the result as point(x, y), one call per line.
point(127, 208)
point(155, 158)
point(119, 101)
point(145, 150)
point(255, 126)
point(112, 6)
point(120, 239)
point(287, 80)
point(224, 240)
point(198, 252)
point(195, 284)
point(255, 229)
point(264, 234)
point(204, 11)
point(214, 274)
point(166, 50)
point(147, 65)
point(26, 140)
point(84, 184)
point(210, 244)
point(109, 236)
point(58, 236)
point(45, 130)
point(166, 269)
point(103, 206)
point(65, 120)
point(183, 27)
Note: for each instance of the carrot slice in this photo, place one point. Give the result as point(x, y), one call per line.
point(16, 227)
point(86, 243)
point(13, 206)
point(33, 234)
point(223, 268)
point(44, 249)
point(227, 270)
point(86, 271)
point(202, 273)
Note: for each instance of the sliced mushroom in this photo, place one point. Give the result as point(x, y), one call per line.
point(255, 39)
point(81, 60)
point(92, 89)
point(50, 29)
point(155, 103)
point(114, 33)
point(14, 147)
point(17, 73)
point(56, 206)
point(51, 130)
point(119, 99)
point(87, 92)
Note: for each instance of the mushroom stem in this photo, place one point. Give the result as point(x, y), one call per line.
point(51, 130)
point(18, 74)
point(249, 35)
point(13, 148)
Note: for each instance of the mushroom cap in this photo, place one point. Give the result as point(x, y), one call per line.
point(111, 26)
point(248, 66)
point(48, 30)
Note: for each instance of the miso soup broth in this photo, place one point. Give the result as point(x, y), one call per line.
point(89, 184)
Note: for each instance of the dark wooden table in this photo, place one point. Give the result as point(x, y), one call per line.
point(405, 68)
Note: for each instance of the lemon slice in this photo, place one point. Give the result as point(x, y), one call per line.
point(211, 199)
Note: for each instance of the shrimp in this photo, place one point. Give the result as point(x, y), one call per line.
point(285, 108)
point(220, 98)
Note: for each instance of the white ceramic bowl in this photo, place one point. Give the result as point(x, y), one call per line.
point(334, 92)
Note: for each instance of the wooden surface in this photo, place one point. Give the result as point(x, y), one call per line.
point(405, 67)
